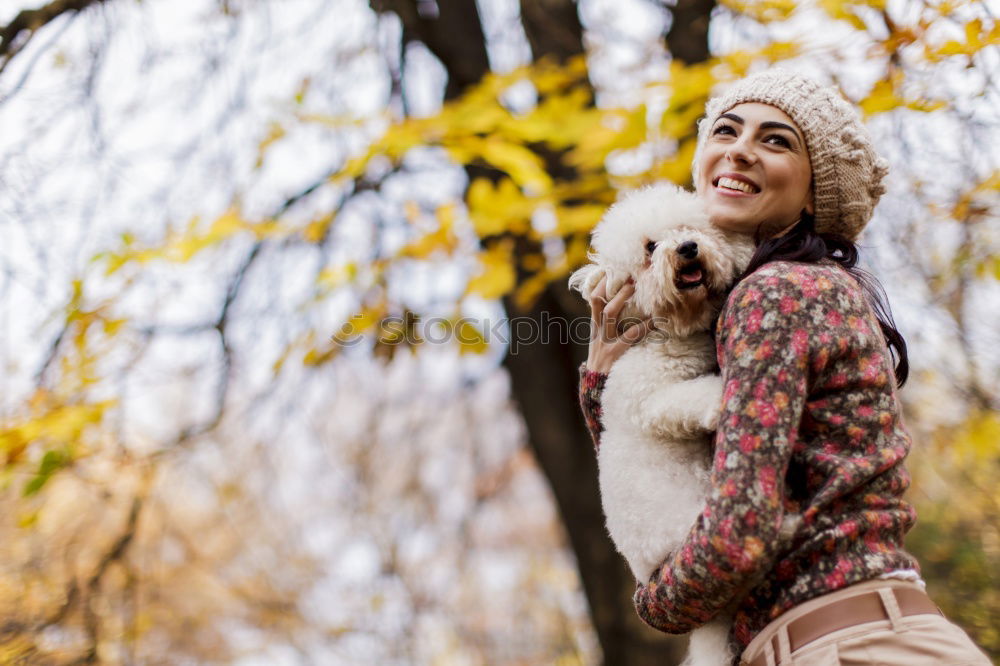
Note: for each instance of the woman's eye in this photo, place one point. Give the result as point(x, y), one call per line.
point(779, 140)
point(650, 246)
point(724, 129)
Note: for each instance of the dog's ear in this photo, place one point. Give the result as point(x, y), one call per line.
point(584, 279)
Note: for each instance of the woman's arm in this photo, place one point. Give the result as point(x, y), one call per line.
point(764, 352)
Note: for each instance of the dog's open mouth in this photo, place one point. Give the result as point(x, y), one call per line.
point(690, 275)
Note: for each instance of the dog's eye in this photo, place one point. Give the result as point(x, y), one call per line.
point(650, 246)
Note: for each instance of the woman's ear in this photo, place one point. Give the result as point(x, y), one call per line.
point(810, 205)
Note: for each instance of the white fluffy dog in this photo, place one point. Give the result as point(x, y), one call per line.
point(662, 397)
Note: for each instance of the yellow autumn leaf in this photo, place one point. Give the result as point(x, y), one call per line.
point(60, 424)
point(67, 423)
point(576, 252)
point(991, 184)
point(347, 335)
point(28, 518)
point(881, 98)
point(578, 219)
point(442, 239)
point(926, 105)
point(528, 291)
point(183, 247)
point(524, 167)
point(557, 120)
point(112, 326)
point(690, 84)
point(274, 134)
point(279, 362)
point(475, 114)
point(764, 11)
point(989, 267)
point(399, 139)
point(779, 50)
point(500, 208)
point(227, 224)
point(315, 357)
point(737, 64)
point(972, 31)
point(359, 323)
point(470, 339)
point(841, 10)
point(549, 77)
point(678, 168)
point(969, 199)
point(354, 168)
point(980, 437)
point(593, 147)
point(977, 37)
point(681, 123)
point(316, 230)
point(333, 277)
point(497, 275)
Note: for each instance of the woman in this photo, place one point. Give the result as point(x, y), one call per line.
point(810, 421)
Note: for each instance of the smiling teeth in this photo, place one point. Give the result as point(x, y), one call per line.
point(732, 184)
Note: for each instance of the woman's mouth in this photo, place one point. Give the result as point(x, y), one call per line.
point(726, 183)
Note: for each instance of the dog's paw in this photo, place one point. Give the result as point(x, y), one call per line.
point(593, 278)
point(616, 279)
point(710, 419)
point(585, 278)
point(711, 401)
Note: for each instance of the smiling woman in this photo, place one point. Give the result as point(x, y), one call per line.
point(810, 424)
point(754, 172)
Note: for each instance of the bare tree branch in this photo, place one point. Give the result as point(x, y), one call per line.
point(16, 34)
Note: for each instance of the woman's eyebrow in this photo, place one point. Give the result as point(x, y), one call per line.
point(770, 124)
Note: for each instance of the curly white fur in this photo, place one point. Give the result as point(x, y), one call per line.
point(662, 397)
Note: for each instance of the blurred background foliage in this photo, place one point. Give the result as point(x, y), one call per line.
point(281, 383)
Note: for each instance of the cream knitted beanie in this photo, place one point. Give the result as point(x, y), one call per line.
point(847, 172)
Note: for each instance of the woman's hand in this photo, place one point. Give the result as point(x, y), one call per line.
point(606, 345)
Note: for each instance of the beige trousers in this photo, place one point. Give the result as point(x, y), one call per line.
point(916, 640)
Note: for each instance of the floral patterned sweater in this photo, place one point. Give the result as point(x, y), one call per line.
point(810, 423)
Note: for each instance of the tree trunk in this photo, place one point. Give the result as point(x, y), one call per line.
point(544, 380)
point(543, 370)
point(687, 38)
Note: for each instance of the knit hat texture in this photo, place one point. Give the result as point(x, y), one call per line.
point(847, 172)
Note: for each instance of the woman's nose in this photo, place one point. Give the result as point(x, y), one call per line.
point(741, 151)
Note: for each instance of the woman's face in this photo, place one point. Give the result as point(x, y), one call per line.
point(755, 171)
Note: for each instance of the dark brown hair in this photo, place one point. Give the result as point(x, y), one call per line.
point(804, 244)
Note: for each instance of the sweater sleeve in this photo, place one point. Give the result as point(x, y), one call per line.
point(591, 387)
point(763, 349)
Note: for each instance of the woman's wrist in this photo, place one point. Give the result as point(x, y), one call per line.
point(591, 366)
point(602, 362)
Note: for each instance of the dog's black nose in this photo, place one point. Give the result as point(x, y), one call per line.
point(688, 249)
